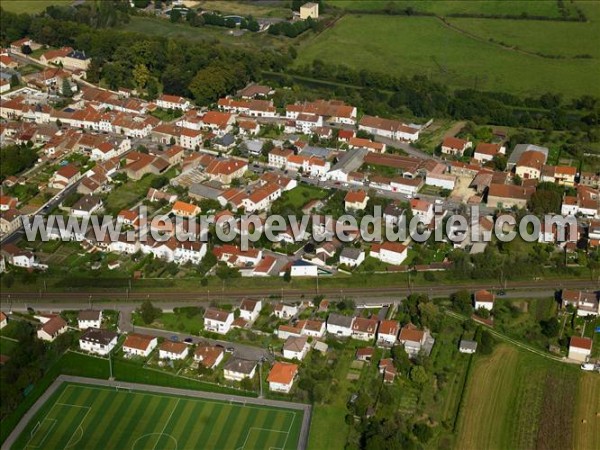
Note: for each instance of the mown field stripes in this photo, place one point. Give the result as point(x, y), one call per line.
point(100, 417)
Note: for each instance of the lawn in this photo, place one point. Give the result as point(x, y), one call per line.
point(94, 417)
point(442, 7)
point(519, 400)
point(426, 46)
point(587, 430)
point(299, 196)
point(30, 6)
point(254, 9)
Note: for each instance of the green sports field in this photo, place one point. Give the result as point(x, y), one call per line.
point(93, 417)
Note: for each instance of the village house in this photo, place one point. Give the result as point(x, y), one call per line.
point(250, 309)
point(586, 303)
point(422, 209)
point(139, 345)
point(89, 318)
point(352, 257)
point(86, 206)
point(312, 328)
point(454, 146)
point(485, 152)
point(281, 377)
point(184, 209)
point(388, 128)
point(561, 175)
point(389, 252)
point(364, 329)
point(505, 196)
point(296, 347)
point(226, 170)
point(371, 146)
point(98, 341)
point(412, 339)
point(174, 351)
point(387, 369)
point(64, 177)
point(209, 356)
point(309, 9)
point(217, 320)
point(173, 102)
point(17, 257)
point(285, 311)
point(466, 346)
point(483, 299)
point(261, 198)
point(529, 166)
point(7, 202)
point(10, 220)
point(339, 325)
point(236, 257)
point(387, 334)
point(52, 328)
point(355, 200)
point(3, 320)
point(236, 369)
point(580, 348)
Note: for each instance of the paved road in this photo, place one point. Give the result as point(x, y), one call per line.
point(306, 409)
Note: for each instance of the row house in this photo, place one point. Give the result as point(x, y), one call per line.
point(262, 198)
point(454, 146)
point(586, 203)
point(334, 111)
point(586, 303)
point(562, 175)
point(173, 102)
point(485, 151)
point(370, 145)
point(251, 108)
point(388, 128)
point(236, 257)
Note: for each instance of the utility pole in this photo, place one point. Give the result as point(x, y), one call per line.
point(110, 366)
point(260, 363)
point(90, 301)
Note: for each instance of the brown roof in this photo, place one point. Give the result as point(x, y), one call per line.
point(208, 355)
point(54, 325)
point(487, 148)
point(138, 341)
point(581, 342)
point(389, 327)
point(282, 373)
point(355, 196)
point(411, 333)
point(295, 343)
point(364, 325)
point(248, 304)
point(216, 314)
point(173, 347)
point(510, 191)
point(454, 143)
point(484, 296)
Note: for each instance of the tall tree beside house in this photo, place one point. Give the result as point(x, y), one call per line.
point(141, 76)
point(14, 81)
point(148, 312)
point(66, 88)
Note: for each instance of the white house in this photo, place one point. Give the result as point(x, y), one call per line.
point(95, 340)
point(466, 346)
point(173, 102)
point(89, 318)
point(356, 200)
point(387, 334)
point(3, 320)
point(51, 329)
point(312, 328)
point(139, 345)
point(285, 311)
point(296, 347)
point(217, 320)
point(389, 252)
point(249, 309)
point(484, 299)
point(173, 350)
point(302, 268)
point(423, 209)
point(364, 329)
point(580, 348)
point(352, 257)
point(237, 369)
point(339, 325)
point(281, 377)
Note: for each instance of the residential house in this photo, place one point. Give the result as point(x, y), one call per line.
point(356, 200)
point(365, 354)
point(485, 152)
point(89, 318)
point(484, 299)
point(98, 341)
point(352, 257)
point(412, 339)
point(364, 329)
point(237, 369)
point(454, 146)
point(184, 209)
point(309, 9)
point(586, 303)
point(285, 311)
point(422, 209)
point(388, 128)
point(209, 356)
point(174, 351)
point(467, 346)
point(580, 348)
point(3, 320)
point(387, 334)
point(51, 329)
point(339, 325)
point(296, 347)
point(281, 377)
point(388, 370)
point(217, 320)
point(313, 328)
point(139, 345)
point(506, 196)
point(173, 102)
point(10, 220)
point(64, 177)
point(86, 206)
point(529, 166)
point(250, 309)
point(17, 257)
point(389, 252)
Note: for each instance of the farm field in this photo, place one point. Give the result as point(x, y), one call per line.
point(255, 9)
point(519, 400)
point(490, 7)
point(426, 46)
point(93, 417)
point(30, 6)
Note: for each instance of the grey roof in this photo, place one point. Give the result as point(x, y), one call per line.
point(254, 146)
point(468, 345)
point(87, 203)
point(295, 343)
point(240, 365)
point(393, 210)
point(339, 320)
point(351, 160)
point(204, 191)
point(226, 140)
point(315, 151)
point(98, 336)
point(351, 252)
point(522, 148)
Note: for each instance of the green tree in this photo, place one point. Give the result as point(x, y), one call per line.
point(461, 302)
point(148, 312)
point(175, 15)
point(287, 276)
point(419, 375)
point(66, 88)
point(14, 81)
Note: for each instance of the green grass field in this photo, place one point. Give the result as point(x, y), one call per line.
point(426, 46)
point(515, 399)
point(91, 417)
point(30, 6)
point(546, 8)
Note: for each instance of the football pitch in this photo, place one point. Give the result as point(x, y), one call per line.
point(99, 417)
